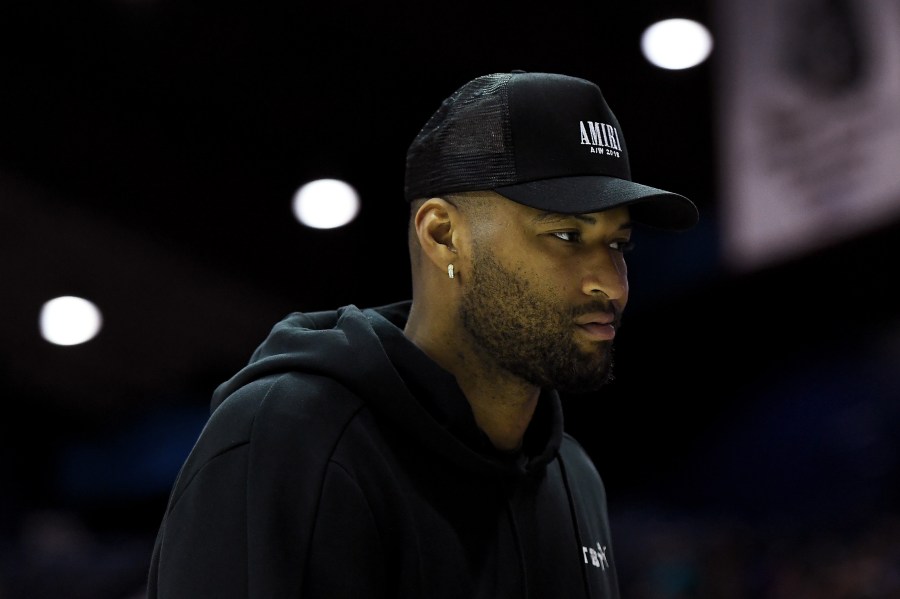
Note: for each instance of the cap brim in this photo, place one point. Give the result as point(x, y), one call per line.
point(594, 193)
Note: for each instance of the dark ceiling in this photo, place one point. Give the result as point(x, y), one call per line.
point(149, 151)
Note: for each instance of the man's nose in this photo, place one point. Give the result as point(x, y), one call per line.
point(606, 274)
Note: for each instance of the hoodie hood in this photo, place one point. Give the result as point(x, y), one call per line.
point(367, 352)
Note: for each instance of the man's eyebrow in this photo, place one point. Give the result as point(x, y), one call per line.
point(551, 217)
point(545, 218)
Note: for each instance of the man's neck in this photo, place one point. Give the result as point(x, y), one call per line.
point(503, 412)
point(502, 404)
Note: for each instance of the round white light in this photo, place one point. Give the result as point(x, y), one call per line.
point(326, 204)
point(69, 320)
point(676, 43)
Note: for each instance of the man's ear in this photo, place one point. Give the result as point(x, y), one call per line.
point(437, 223)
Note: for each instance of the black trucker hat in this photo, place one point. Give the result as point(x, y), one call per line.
point(544, 140)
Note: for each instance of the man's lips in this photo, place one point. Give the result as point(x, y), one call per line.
point(596, 318)
point(599, 326)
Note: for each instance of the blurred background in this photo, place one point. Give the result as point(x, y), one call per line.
point(153, 158)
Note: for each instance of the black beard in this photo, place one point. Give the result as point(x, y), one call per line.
point(528, 333)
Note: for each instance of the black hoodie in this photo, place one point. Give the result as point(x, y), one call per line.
point(343, 462)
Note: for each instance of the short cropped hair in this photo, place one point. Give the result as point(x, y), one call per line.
point(475, 205)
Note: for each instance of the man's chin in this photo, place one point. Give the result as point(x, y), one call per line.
point(590, 346)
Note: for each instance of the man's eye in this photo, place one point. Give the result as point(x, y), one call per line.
point(570, 236)
point(622, 246)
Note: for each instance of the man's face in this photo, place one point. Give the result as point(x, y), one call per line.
point(545, 293)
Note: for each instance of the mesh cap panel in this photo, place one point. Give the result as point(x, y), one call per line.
point(466, 144)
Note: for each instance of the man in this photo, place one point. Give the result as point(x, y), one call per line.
point(417, 450)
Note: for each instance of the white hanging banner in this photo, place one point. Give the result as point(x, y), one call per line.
point(809, 124)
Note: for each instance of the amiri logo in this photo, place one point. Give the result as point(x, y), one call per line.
point(603, 138)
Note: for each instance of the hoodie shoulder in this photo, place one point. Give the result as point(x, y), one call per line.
point(239, 489)
point(286, 409)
